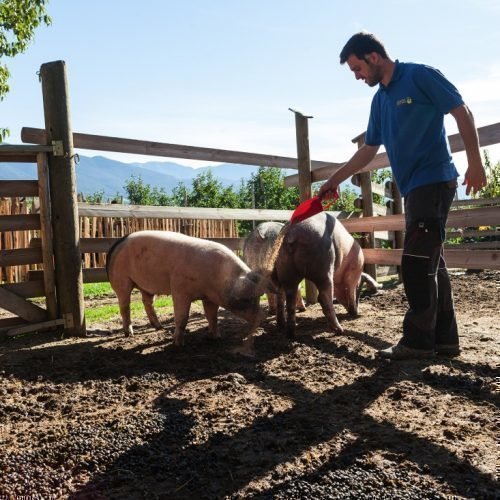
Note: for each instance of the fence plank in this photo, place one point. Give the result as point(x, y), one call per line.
point(144, 212)
point(464, 259)
point(20, 256)
point(26, 289)
point(484, 216)
point(488, 135)
point(17, 305)
point(24, 188)
point(21, 222)
point(475, 202)
point(49, 278)
point(121, 145)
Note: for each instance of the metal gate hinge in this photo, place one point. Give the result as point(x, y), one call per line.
point(57, 148)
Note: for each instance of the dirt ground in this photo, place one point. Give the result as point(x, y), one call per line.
point(320, 417)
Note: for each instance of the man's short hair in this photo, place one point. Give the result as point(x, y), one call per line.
point(360, 45)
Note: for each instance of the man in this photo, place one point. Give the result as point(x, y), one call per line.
point(407, 117)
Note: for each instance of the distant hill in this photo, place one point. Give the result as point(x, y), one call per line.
point(98, 173)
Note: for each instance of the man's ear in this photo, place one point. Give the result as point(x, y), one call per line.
point(372, 58)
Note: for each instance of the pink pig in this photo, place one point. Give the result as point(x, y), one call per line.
point(188, 268)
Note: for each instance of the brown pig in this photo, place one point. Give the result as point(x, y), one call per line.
point(321, 250)
point(188, 268)
point(257, 251)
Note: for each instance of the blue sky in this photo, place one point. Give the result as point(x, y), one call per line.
point(223, 73)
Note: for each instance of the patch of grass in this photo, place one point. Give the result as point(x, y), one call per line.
point(111, 312)
point(97, 290)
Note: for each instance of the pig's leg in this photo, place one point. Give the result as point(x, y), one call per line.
point(280, 309)
point(272, 301)
point(291, 297)
point(299, 302)
point(123, 291)
point(211, 310)
point(182, 305)
point(325, 298)
point(147, 300)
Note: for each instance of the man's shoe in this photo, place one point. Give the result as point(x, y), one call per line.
point(400, 352)
point(448, 349)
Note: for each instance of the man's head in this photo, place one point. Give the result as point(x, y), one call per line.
point(366, 57)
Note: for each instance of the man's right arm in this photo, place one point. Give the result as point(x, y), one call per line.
point(360, 159)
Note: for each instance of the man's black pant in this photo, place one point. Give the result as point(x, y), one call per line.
point(430, 319)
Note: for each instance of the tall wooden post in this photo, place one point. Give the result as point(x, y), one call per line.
point(367, 196)
point(64, 208)
point(305, 184)
point(398, 209)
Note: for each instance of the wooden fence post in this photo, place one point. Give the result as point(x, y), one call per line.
point(305, 184)
point(64, 208)
point(367, 197)
point(399, 236)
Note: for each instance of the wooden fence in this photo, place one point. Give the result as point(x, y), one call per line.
point(58, 221)
point(105, 229)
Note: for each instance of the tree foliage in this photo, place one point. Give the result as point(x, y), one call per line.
point(139, 193)
point(18, 22)
point(492, 188)
point(265, 189)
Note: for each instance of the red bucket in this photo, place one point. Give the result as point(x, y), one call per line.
point(311, 207)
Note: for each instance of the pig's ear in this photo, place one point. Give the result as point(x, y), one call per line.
point(262, 280)
point(254, 277)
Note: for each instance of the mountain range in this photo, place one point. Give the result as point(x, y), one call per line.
point(98, 173)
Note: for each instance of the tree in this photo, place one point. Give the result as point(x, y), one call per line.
point(18, 21)
point(139, 193)
point(208, 192)
point(492, 188)
point(266, 189)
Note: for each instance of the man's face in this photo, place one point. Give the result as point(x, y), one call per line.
point(365, 69)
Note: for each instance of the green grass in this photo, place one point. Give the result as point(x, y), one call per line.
point(108, 312)
point(97, 290)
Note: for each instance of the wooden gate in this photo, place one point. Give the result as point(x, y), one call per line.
point(25, 315)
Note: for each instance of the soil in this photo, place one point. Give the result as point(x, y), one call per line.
point(319, 417)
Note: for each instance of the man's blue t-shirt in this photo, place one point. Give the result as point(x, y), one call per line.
point(407, 117)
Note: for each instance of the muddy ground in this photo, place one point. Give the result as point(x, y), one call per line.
point(321, 417)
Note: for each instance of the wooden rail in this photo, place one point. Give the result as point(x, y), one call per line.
point(149, 148)
point(138, 211)
point(464, 259)
point(488, 135)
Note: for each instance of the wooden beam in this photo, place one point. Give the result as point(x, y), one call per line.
point(484, 216)
point(19, 306)
point(20, 256)
point(142, 212)
point(20, 222)
point(63, 203)
point(475, 202)
point(464, 259)
point(488, 135)
point(133, 146)
point(26, 289)
point(471, 233)
point(102, 245)
point(381, 190)
point(47, 245)
point(18, 188)
point(20, 153)
point(35, 327)
point(95, 275)
point(8, 323)
point(475, 245)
